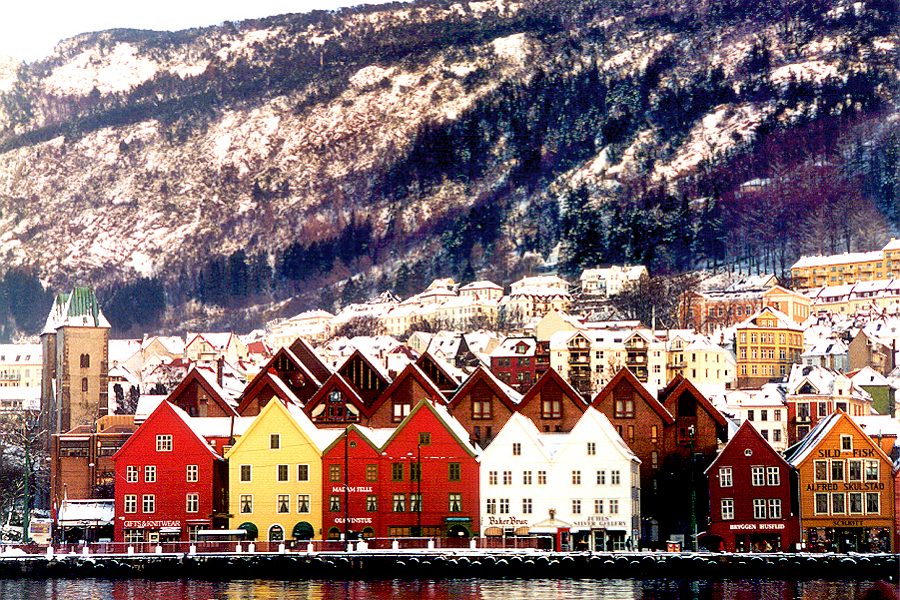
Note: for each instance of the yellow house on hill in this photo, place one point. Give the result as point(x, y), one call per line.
point(275, 476)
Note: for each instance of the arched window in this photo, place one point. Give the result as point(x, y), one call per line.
point(85, 361)
point(334, 533)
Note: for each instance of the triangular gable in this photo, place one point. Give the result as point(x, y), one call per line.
point(432, 367)
point(549, 377)
point(627, 376)
point(798, 453)
point(593, 420)
point(166, 409)
point(482, 374)
point(266, 380)
point(340, 439)
point(737, 440)
point(366, 378)
point(525, 427)
point(263, 416)
point(680, 385)
point(285, 366)
point(336, 381)
point(413, 371)
point(310, 359)
point(426, 405)
point(195, 376)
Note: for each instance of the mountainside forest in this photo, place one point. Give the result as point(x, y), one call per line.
point(222, 176)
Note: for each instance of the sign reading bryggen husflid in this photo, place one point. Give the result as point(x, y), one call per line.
point(846, 489)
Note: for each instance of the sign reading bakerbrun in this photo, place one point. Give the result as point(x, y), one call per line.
point(846, 489)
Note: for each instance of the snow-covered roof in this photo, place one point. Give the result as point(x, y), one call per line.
point(86, 513)
point(838, 259)
point(174, 344)
point(122, 350)
point(784, 321)
point(481, 285)
point(803, 449)
point(80, 308)
point(21, 354)
point(507, 346)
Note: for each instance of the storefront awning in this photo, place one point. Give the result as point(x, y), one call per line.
point(493, 532)
point(170, 529)
point(303, 531)
point(251, 529)
point(86, 513)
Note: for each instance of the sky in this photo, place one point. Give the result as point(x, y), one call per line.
point(29, 29)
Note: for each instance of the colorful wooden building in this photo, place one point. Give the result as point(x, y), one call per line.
point(750, 498)
point(275, 476)
point(170, 481)
point(483, 405)
point(422, 481)
point(846, 488)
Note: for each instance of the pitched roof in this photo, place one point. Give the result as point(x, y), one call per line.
point(746, 429)
point(454, 427)
point(800, 451)
point(80, 308)
point(411, 370)
point(163, 409)
point(625, 374)
point(681, 384)
point(509, 397)
point(550, 375)
point(215, 392)
point(307, 355)
point(336, 381)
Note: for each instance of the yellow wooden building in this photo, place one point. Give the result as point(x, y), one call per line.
point(846, 488)
point(275, 476)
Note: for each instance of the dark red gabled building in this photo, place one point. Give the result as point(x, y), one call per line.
point(170, 481)
point(691, 409)
point(336, 404)
point(398, 400)
point(422, 481)
point(438, 374)
point(751, 507)
point(198, 396)
point(520, 361)
point(309, 359)
point(290, 373)
point(483, 405)
point(641, 420)
point(552, 404)
point(367, 379)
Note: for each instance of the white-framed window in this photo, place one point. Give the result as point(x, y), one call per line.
point(576, 477)
point(725, 477)
point(775, 508)
point(246, 506)
point(302, 472)
point(282, 472)
point(283, 503)
point(192, 473)
point(773, 475)
point(592, 448)
point(491, 506)
point(131, 474)
point(149, 503)
point(504, 506)
point(542, 478)
point(873, 503)
point(871, 470)
point(517, 449)
point(758, 475)
point(164, 443)
point(246, 473)
point(302, 503)
point(192, 503)
point(615, 477)
point(149, 474)
point(492, 477)
point(856, 503)
point(598, 506)
point(507, 477)
point(846, 443)
point(527, 506)
point(526, 477)
point(576, 506)
point(821, 470)
point(727, 509)
point(613, 507)
point(821, 504)
point(274, 441)
point(759, 508)
point(838, 503)
point(130, 503)
point(601, 477)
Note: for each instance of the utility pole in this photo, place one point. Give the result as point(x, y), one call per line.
point(691, 432)
point(26, 501)
point(347, 489)
point(419, 488)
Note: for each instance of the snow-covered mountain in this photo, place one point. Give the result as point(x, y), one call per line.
point(453, 131)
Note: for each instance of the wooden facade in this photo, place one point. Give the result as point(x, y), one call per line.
point(552, 404)
point(482, 406)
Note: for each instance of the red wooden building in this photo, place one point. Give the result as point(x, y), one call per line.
point(169, 481)
point(336, 404)
point(483, 405)
point(367, 378)
point(520, 361)
point(421, 481)
point(553, 404)
point(398, 400)
point(199, 396)
point(750, 497)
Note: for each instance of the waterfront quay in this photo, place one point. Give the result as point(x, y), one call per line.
point(243, 562)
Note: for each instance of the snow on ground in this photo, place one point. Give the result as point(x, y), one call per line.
point(241, 45)
point(717, 133)
point(514, 48)
point(811, 70)
point(117, 71)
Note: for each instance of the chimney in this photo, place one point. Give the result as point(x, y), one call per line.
point(220, 367)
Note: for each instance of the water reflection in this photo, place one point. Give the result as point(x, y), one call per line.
point(544, 589)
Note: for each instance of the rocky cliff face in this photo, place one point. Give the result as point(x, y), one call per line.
point(130, 153)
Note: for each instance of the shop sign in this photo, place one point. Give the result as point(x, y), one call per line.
point(848, 523)
point(150, 524)
point(353, 489)
point(508, 521)
point(756, 526)
point(355, 520)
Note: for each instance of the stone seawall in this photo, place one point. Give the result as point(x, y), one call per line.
point(439, 565)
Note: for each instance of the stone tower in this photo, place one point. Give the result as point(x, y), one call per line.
point(75, 344)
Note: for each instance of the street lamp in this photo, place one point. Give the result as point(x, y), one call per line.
point(691, 432)
point(347, 488)
point(419, 488)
